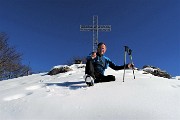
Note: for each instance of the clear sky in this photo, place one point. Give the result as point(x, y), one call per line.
point(47, 32)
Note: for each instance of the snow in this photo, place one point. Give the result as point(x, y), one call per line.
point(60, 66)
point(177, 77)
point(66, 96)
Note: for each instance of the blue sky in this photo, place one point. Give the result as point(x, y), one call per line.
point(47, 32)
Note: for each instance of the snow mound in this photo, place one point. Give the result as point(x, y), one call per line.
point(66, 96)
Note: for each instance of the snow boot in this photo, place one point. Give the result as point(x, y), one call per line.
point(89, 80)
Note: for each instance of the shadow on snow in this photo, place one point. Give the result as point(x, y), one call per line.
point(71, 85)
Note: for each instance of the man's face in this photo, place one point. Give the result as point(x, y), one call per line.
point(102, 49)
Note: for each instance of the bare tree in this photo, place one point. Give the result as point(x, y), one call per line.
point(10, 60)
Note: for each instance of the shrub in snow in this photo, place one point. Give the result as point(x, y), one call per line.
point(59, 69)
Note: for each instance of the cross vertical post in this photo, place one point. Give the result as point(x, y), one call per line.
point(95, 32)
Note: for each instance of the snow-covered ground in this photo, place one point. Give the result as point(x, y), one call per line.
point(66, 96)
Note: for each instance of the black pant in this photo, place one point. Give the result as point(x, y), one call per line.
point(97, 76)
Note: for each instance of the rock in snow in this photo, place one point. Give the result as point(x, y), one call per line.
point(156, 71)
point(65, 96)
point(59, 69)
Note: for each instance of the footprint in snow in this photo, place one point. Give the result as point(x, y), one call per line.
point(34, 87)
point(17, 96)
point(21, 95)
point(175, 86)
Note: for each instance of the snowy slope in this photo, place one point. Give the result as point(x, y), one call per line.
point(66, 96)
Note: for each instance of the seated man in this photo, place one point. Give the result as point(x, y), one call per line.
point(96, 65)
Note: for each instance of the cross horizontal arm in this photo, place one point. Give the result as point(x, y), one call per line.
point(95, 28)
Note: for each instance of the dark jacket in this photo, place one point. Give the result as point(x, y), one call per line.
point(102, 62)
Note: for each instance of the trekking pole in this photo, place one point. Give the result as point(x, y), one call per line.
point(130, 55)
point(125, 50)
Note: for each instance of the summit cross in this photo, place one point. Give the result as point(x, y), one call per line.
point(95, 28)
